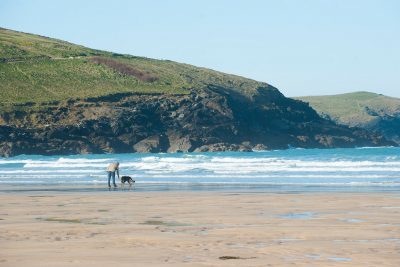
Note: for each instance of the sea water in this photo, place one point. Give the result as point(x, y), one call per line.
point(356, 169)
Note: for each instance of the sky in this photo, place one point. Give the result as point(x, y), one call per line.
point(307, 47)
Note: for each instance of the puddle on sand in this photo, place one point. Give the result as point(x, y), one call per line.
point(393, 197)
point(389, 224)
point(396, 240)
point(287, 239)
point(339, 259)
point(235, 245)
point(300, 215)
point(313, 256)
point(392, 240)
point(352, 220)
point(187, 258)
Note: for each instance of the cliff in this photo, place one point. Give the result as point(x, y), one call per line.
point(61, 98)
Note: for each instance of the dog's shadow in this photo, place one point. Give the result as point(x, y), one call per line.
point(127, 187)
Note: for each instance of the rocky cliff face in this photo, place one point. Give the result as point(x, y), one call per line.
point(211, 119)
point(61, 98)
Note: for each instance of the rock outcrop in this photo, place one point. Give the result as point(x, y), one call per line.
point(211, 119)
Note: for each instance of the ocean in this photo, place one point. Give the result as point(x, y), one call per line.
point(359, 169)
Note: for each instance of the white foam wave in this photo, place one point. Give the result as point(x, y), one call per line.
point(85, 160)
point(373, 147)
point(50, 171)
point(208, 167)
point(200, 176)
point(64, 165)
point(240, 176)
point(7, 161)
point(45, 176)
point(228, 167)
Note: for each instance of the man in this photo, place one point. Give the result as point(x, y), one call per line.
point(111, 169)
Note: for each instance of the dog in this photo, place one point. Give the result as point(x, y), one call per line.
point(127, 179)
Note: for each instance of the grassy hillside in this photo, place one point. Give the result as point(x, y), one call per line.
point(19, 46)
point(354, 109)
point(39, 69)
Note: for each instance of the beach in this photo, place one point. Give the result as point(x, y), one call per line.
point(133, 228)
point(199, 134)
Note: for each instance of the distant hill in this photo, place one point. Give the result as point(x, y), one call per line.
point(61, 98)
point(367, 110)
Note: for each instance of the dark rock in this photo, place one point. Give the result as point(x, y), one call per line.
point(219, 147)
point(213, 119)
point(152, 144)
point(260, 147)
point(179, 143)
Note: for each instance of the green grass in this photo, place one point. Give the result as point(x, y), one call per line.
point(18, 45)
point(41, 81)
point(39, 69)
point(354, 108)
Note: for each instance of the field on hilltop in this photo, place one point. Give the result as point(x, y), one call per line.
point(367, 110)
point(355, 108)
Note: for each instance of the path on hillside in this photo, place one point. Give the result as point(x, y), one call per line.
point(18, 60)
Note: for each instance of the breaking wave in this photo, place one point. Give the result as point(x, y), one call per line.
point(377, 166)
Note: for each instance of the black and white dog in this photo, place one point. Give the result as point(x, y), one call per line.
point(127, 179)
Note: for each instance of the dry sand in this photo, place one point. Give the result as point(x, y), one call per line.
point(199, 229)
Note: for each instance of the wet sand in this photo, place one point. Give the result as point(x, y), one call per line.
point(199, 229)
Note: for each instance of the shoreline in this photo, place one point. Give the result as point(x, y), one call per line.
point(199, 187)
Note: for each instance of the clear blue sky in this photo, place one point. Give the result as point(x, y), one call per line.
point(302, 47)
